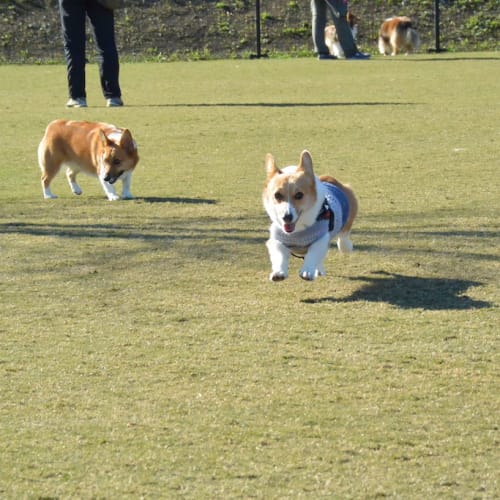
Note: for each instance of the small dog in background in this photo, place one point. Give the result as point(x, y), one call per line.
point(332, 39)
point(306, 213)
point(397, 35)
point(99, 149)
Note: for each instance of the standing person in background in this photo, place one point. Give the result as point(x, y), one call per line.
point(338, 8)
point(73, 17)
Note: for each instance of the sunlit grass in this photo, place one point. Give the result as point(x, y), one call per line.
point(144, 351)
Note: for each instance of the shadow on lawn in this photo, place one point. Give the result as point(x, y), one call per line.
point(194, 201)
point(411, 292)
point(160, 230)
point(451, 59)
point(272, 104)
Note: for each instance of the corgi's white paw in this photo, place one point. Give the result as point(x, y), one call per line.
point(113, 197)
point(278, 276)
point(307, 275)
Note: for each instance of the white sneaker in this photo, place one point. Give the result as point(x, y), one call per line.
point(114, 102)
point(78, 102)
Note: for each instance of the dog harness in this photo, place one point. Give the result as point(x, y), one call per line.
point(331, 219)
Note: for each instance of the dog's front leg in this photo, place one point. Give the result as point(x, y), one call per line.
point(109, 189)
point(126, 179)
point(71, 176)
point(279, 255)
point(313, 260)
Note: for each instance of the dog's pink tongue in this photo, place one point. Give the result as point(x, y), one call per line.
point(289, 228)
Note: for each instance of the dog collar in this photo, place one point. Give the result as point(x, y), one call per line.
point(326, 214)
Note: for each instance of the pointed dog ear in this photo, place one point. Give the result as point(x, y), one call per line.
point(103, 137)
point(306, 163)
point(271, 167)
point(126, 141)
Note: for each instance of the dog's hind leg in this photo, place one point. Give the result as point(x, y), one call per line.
point(71, 176)
point(344, 244)
point(46, 179)
point(49, 171)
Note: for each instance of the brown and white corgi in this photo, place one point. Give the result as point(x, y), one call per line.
point(99, 149)
point(332, 38)
point(397, 35)
point(306, 213)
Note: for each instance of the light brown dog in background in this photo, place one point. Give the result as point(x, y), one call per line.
point(332, 39)
point(397, 35)
point(98, 149)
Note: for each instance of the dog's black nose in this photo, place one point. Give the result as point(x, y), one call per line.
point(288, 217)
point(112, 178)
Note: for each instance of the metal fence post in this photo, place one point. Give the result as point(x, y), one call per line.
point(259, 54)
point(437, 24)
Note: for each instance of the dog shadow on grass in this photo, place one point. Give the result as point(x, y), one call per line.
point(411, 292)
point(159, 199)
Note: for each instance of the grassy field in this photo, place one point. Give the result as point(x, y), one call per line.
point(144, 353)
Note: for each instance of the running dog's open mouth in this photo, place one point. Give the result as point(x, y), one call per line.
point(289, 228)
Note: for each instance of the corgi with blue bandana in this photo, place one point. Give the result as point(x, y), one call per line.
point(99, 149)
point(307, 212)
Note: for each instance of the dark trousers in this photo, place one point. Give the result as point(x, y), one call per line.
point(73, 19)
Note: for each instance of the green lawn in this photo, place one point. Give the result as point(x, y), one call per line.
point(144, 353)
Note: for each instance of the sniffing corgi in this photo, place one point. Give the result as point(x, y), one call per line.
point(99, 149)
point(332, 38)
point(306, 213)
point(397, 35)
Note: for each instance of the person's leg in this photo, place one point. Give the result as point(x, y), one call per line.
point(339, 11)
point(103, 25)
point(319, 12)
point(72, 14)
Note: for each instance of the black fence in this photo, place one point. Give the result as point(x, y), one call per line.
point(436, 25)
point(188, 29)
point(455, 25)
